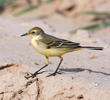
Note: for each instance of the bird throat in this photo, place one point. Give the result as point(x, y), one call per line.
point(36, 37)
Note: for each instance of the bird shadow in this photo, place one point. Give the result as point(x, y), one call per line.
point(83, 69)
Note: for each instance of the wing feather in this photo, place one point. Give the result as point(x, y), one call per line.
point(52, 41)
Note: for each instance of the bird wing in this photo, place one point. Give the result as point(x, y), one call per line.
point(52, 41)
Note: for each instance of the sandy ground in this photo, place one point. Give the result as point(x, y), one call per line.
point(86, 73)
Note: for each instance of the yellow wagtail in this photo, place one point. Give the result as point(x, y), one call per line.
point(49, 46)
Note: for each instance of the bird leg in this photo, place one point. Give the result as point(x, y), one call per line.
point(37, 72)
point(56, 71)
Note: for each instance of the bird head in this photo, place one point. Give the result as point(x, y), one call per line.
point(34, 32)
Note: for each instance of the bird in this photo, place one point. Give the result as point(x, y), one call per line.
point(51, 46)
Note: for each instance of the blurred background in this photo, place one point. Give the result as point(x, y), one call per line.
point(81, 14)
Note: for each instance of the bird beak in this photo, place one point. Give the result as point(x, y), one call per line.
point(24, 34)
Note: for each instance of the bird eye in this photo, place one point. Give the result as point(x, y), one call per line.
point(33, 32)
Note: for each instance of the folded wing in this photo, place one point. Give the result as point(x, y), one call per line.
point(52, 41)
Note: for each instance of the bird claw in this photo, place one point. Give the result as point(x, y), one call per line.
point(53, 74)
point(30, 76)
point(27, 77)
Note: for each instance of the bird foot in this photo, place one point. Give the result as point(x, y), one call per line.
point(53, 74)
point(30, 76)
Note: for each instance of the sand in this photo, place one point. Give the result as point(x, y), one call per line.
point(85, 74)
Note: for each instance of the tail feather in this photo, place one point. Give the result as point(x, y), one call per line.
point(92, 48)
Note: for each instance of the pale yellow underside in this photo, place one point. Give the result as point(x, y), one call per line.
point(41, 48)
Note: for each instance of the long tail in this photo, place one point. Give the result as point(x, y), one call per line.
point(92, 48)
